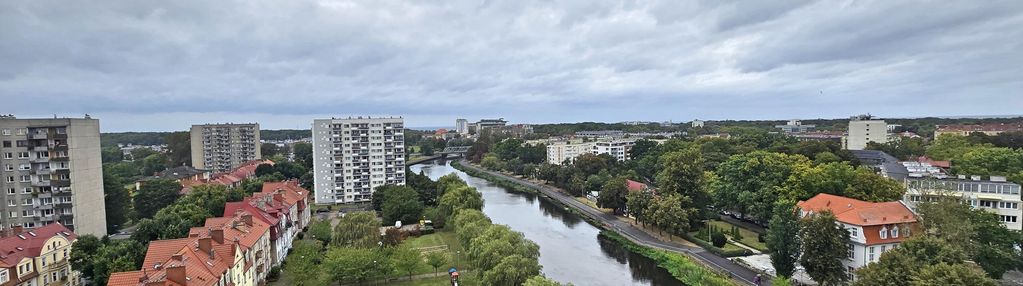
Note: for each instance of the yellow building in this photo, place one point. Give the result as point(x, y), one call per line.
point(37, 257)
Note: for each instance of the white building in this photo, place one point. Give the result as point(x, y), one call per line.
point(51, 171)
point(558, 152)
point(995, 195)
point(462, 126)
point(863, 129)
point(796, 126)
point(619, 149)
point(874, 228)
point(697, 123)
point(352, 156)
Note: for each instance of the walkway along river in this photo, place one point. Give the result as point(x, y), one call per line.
point(570, 249)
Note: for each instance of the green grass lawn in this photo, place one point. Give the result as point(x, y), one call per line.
point(749, 238)
point(456, 255)
point(442, 280)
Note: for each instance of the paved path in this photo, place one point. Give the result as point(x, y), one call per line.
point(636, 235)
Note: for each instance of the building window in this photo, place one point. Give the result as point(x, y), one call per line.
point(895, 231)
point(8, 155)
point(851, 251)
point(870, 255)
point(884, 232)
point(854, 232)
point(6, 132)
point(7, 144)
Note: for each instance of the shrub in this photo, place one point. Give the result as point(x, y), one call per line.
point(301, 235)
point(718, 239)
point(761, 237)
point(274, 274)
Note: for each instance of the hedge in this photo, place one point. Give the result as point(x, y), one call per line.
point(681, 267)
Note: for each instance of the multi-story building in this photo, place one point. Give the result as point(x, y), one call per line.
point(352, 156)
point(697, 123)
point(994, 195)
point(281, 205)
point(864, 129)
point(874, 228)
point(37, 257)
point(618, 149)
point(222, 147)
point(51, 171)
point(990, 129)
point(601, 134)
point(560, 152)
point(796, 126)
point(483, 124)
point(462, 126)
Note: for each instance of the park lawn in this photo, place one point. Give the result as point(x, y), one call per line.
point(749, 238)
point(442, 280)
point(456, 254)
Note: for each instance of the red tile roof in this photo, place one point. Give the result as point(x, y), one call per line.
point(242, 172)
point(635, 186)
point(30, 243)
point(940, 164)
point(857, 212)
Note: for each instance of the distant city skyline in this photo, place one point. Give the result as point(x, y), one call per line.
point(163, 66)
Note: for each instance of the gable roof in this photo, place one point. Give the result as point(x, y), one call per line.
point(635, 186)
point(857, 212)
point(30, 243)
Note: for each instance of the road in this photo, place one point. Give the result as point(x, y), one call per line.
point(636, 235)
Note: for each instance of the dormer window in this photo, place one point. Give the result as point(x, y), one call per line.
point(884, 232)
point(895, 231)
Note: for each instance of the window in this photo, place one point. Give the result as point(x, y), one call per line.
point(1008, 218)
point(883, 248)
point(895, 231)
point(7, 144)
point(22, 155)
point(851, 251)
point(10, 191)
point(6, 132)
point(870, 254)
point(12, 214)
point(854, 232)
point(8, 155)
point(26, 178)
point(8, 167)
point(884, 232)
point(10, 179)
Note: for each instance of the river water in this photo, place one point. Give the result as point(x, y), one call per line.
point(570, 250)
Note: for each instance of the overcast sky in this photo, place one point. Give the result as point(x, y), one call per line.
point(163, 65)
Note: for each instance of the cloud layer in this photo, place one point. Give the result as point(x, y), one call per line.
point(161, 65)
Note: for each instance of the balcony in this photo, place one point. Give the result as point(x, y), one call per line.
point(41, 183)
point(40, 160)
point(39, 136)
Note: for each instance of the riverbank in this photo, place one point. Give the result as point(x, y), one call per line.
point(610, 222)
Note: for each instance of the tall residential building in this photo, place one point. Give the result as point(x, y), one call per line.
point(462, 126)
point(618, 149)
point(51, 171)
point(863, 129)
point(222, 147)
point(352, 156)
point(995, 195)
point(559, 152)
point(874, 228)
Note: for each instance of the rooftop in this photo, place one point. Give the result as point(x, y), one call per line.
point(857, 212)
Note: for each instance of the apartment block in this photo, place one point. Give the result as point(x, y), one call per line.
point(618, 149)
point(864, 129)
point(462, 126)
point(38, 257)
point(874, 228)
point(995, 195)
point(222, 147)
point(51, 171)
point(352, 156)
point(560, 152)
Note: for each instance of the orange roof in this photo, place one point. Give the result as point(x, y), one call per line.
point(635, 186)
point(857, 212)
point(161, 250)
point(244, 171)
point(29, 243)
point(124, 278)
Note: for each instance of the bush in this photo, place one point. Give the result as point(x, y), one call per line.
point(274, 274)
point(718, 239)
point(301, 235)
point(683, 268)
point(761, 237)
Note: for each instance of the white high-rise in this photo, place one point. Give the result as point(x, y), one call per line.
point(864, 129)
point(352, 156)
point(462, 126)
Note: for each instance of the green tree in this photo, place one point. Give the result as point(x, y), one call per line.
point(269, 150)
point(637, 204)
point(303, 264)
point(898, 266)
point(539, 280)
point(179, 148)
point(824, 248)
point(97, 259)
point(426, 149)
point(612, 195)
point(82, 251)
point(496, 242)
point(304, 154)
point(955, 274)
point(590, 164)
point(356, 229)
point(154, 195)
point(153, 164)
point(406, 260)
point(111, 154)
point(512, 270)
point(750, 183)
point(353, 264)
point(491, 162)
point(670, 214)
point(950, 146)
point(783, 238)
point(533, 154)
point(401, 204)
point(116, 200)
point(507, 149)
point(171, 222)
point(210, 197)
point(436, 259)
point(459, 198)
point(320, 230)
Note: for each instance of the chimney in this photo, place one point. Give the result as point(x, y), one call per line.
point(205, 244)
point(218, 235)
point(247, 218)
point(177, 274)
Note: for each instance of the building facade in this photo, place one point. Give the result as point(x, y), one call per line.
point(864, 129)
point(995, 195)
point(618, 149)
point(38, 257)
point(989, 129)
point(559, 152)
point(874, 228)
point(462, 126)
point(352, 156)
point(796, 126)
point(51, 171)
point(484, 124)
point(222, 147)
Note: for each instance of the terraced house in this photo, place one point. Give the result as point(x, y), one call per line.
point(283, 206)
point(37, 257)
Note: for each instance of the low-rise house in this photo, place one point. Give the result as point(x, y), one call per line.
point(37, 257)
point(233, 178)
point(873, 227)
point(283, 206)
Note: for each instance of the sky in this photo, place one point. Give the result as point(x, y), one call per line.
point(164, 65)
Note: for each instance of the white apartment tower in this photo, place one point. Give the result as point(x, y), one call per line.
point(352, 156)
point(51, 171)
point(462, 126)
point(222, 147)
point(863, 129)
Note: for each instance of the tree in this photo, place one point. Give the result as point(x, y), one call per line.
point(116, 200)
point(539, 280)
point(436, 259)
point(153, 164)
point(749, 183)
point(353, 264)
point(682, 173)
point(976, 232)
point(401, 204)
point(463, 197)
point(303, 264)
point(718, 239)
point(491, 162)
point(824, 248)
point(179, 148)
point(950, 146)
point(612, 195)
point(264, 169)
point(406, 260)
point(154, 195)
point(357, 229)
point(82, 251)
point(171, 222)
point(955, 274)
point(111, 154)
point(304, 154)
point(783, 238)
point(641, 147)
point(269, 150)
point(898, 266)
point(320, 230)
point(210, 197)
point(507, 149)
point(496, 242)
point(637, 204)
point(96, 258)
point(512, 270)
point(669, 213)
point(533, 154)
point(590, 164)
point(426, 149)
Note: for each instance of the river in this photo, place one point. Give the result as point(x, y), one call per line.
point(570, 249)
